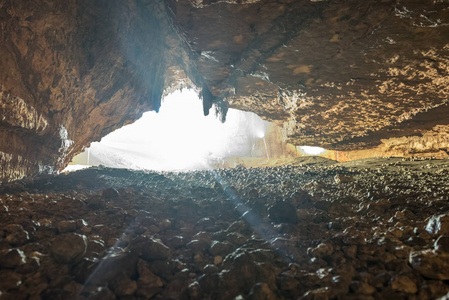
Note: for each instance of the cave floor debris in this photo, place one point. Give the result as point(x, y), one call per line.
point(370, 229)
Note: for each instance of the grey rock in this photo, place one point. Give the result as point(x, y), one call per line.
point(438, 224)
point(283, 212)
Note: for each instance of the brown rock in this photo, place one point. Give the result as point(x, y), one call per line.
point(194, 291)
point(12, 258)
point(340, 178)
point(124, 287)
point(442, 244)
point(148, 284)
point(110, 194)
point(9, 280)
point(403, 283)
point(68, 248)
point(362, 288)
point(149, 248)
point(283, 212)
point(430, 263)
point(101, 293)
point(16, 235)
point(323, 249)
point(221, 248)
point(66, 226)
point(261, 291)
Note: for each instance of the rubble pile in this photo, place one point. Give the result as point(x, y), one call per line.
point(375, 229)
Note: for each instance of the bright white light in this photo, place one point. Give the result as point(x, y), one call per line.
point(179, 137)
point(309, 150)
point(260, 133)
point(71, 168)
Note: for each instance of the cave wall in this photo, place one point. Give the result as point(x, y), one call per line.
point(73, 71)
point(338, 74)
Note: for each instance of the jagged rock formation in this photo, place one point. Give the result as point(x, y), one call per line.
point(339, 74)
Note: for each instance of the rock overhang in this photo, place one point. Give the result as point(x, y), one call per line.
point(339, 74)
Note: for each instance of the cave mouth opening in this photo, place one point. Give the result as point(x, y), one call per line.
point(179, 138)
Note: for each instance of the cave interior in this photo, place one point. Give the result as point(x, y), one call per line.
point(365, 81)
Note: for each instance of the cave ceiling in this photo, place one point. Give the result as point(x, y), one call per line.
point(338, 74)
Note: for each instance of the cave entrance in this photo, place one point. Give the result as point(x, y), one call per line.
point(180, 137)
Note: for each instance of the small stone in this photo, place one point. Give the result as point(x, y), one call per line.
point(362, 288)
point(262, 291)
point(125, 287)
point(165, 224)
point(80, 223)
point(96, 202)
point(101, 293)
point(16, 235)
point(317, 294)
point(197, 246)
point(283, 212)
point(66, 226)
point(12, 258)
point(438, 225)
point(95, 246)
point(339, 178)
point(404, 284)
point(442, 244)
point(430, 263)
point(323, 249)
point(221, 248)
point(110, 194)
point(148, 283)
point(68, 248)
point(194, 291)
point(218, 259)
point(9, 280)
point(149, 248)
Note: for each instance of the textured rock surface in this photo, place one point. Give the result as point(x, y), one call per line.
point(338, 74)
point(189, 235)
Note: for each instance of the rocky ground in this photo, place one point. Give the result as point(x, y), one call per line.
point(372, 229)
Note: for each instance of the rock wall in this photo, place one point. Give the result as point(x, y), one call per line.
point(338, 74)
point(72, 72)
